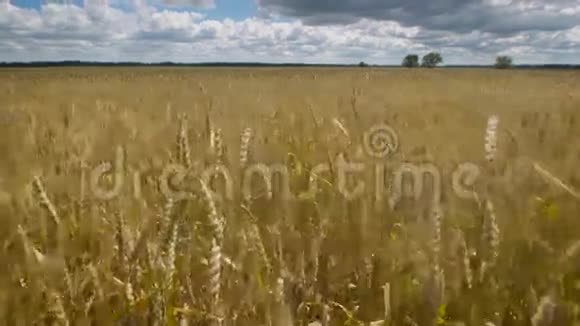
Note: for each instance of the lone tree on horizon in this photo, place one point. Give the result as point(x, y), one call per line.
point(431, 60)
point(411, 61)
point(503, 62)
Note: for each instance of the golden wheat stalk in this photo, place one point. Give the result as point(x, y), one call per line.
point(201, 88)
point(168, 113)
point(467, 272)
point(96, 282)
point(165, 218)
point(491, 138)
point(183, 150)
point(556, 181)
point(387, 301)
point(29, 247)
point(68, 281)
point(82, 184)
point(217, 144)
point(183, 312)
point(121, 235)
point(490, 237)
point(56, 307)
point(436, 219)
point(279, 290)
point(208, 126)
point(257, 242)
point(129, 293)
point(170, 257)
point(438, 272)
point(157, 310)
point(246, 136)
point(137, 190)
point(215, 260)
point(215, 266)
point(545, 312)
point(571, 251)
point(44, 200)
point(215, 219)
point(341, 127)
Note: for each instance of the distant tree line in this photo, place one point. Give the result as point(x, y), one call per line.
point(412, 60)
point(433, 59)
point(504, 62)
point(430, 60)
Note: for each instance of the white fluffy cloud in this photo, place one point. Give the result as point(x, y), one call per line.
point(100, 33)
point(497, 16)
point(192, 3)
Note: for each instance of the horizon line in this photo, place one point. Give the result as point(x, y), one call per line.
point(43, 63)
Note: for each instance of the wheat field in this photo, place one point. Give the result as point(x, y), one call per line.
point(93, 234)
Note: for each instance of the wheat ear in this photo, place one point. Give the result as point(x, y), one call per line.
point(545, 312)
point(56, 307)
point(45, 201)
point(490, 237)
point(246, 136)
point(170, 257)
point(215, 260)
point(341, 127)
point(217, 144)
point(491, 138)
point(183, 150)
point(29, 248)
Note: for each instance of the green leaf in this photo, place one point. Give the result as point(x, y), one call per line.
point(441, 315)
point(551, 211)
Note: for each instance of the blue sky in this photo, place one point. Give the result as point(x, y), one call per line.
point(338, 31)
point(234, 9)
point(27, 3)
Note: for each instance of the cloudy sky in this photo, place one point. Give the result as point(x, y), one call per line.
point(312, 31)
